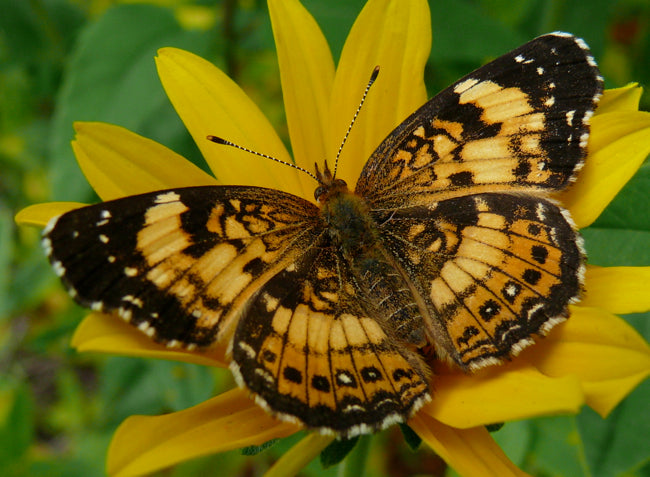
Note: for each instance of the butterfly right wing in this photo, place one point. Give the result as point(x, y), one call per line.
point(181, 264)
point(518, 124)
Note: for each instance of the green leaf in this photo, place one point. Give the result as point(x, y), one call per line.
point(337, 451)
point(616, 247)
point(484, 36)
point(16, 422)
point(515, 439)
point(618, 445)
point(557, 449)
point(411, 437)
point(112, 78)
point(6, 252)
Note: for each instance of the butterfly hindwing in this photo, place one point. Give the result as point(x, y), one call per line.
point(496, 269)
point(178, 264)
point(309, 350)
point(519, 123)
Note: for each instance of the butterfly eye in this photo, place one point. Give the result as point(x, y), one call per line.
point(320, 190)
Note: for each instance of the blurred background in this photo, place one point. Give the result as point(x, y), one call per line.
point(69, 60)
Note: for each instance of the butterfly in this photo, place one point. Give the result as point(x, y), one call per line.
point(449, 242)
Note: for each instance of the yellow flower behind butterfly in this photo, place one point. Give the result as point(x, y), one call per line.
point(557, 375)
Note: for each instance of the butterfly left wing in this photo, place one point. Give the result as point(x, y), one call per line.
point(311, 350)
point(495, 270)
point(181, 264)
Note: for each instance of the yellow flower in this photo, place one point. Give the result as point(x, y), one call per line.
point(593, 358)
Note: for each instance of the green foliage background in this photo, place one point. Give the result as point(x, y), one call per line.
point(68, 60)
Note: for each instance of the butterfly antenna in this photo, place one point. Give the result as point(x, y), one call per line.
point(373, 77)
point(225, 142)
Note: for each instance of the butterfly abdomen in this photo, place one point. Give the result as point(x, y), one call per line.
point(387, 296)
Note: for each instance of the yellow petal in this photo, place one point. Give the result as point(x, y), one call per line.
point(104, 333)
point(603, 396)
point(606, 354)
point(294, 460)
point(497, 394)
point(396, 35)
point(617, 289)
point(210, 103)
point(619, 144)
point(620, 99)
point(470, 452)
point(145, 444)
point(118, 162)
point(307, 73)
point(41, 214)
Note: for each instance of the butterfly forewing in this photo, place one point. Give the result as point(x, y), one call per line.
point(519, 123)
point(179, 264)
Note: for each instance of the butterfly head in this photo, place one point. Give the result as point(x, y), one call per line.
point(328, 185)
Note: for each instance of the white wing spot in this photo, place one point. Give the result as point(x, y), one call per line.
point(569, 117)
point(130, 271)
point(103, 238)
point(59, 269)
point(550, 101)
point(97, 306)
point(540, 212)
point(265, 375)
point(125, 313)
point(248, 349)
point(133, 300)
point(540, 70)
point(111, 259)
point(105, 215)
point(46, 243)
point(511, 290)
point(519, 59)
point(533, 309)
point(51, 224)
